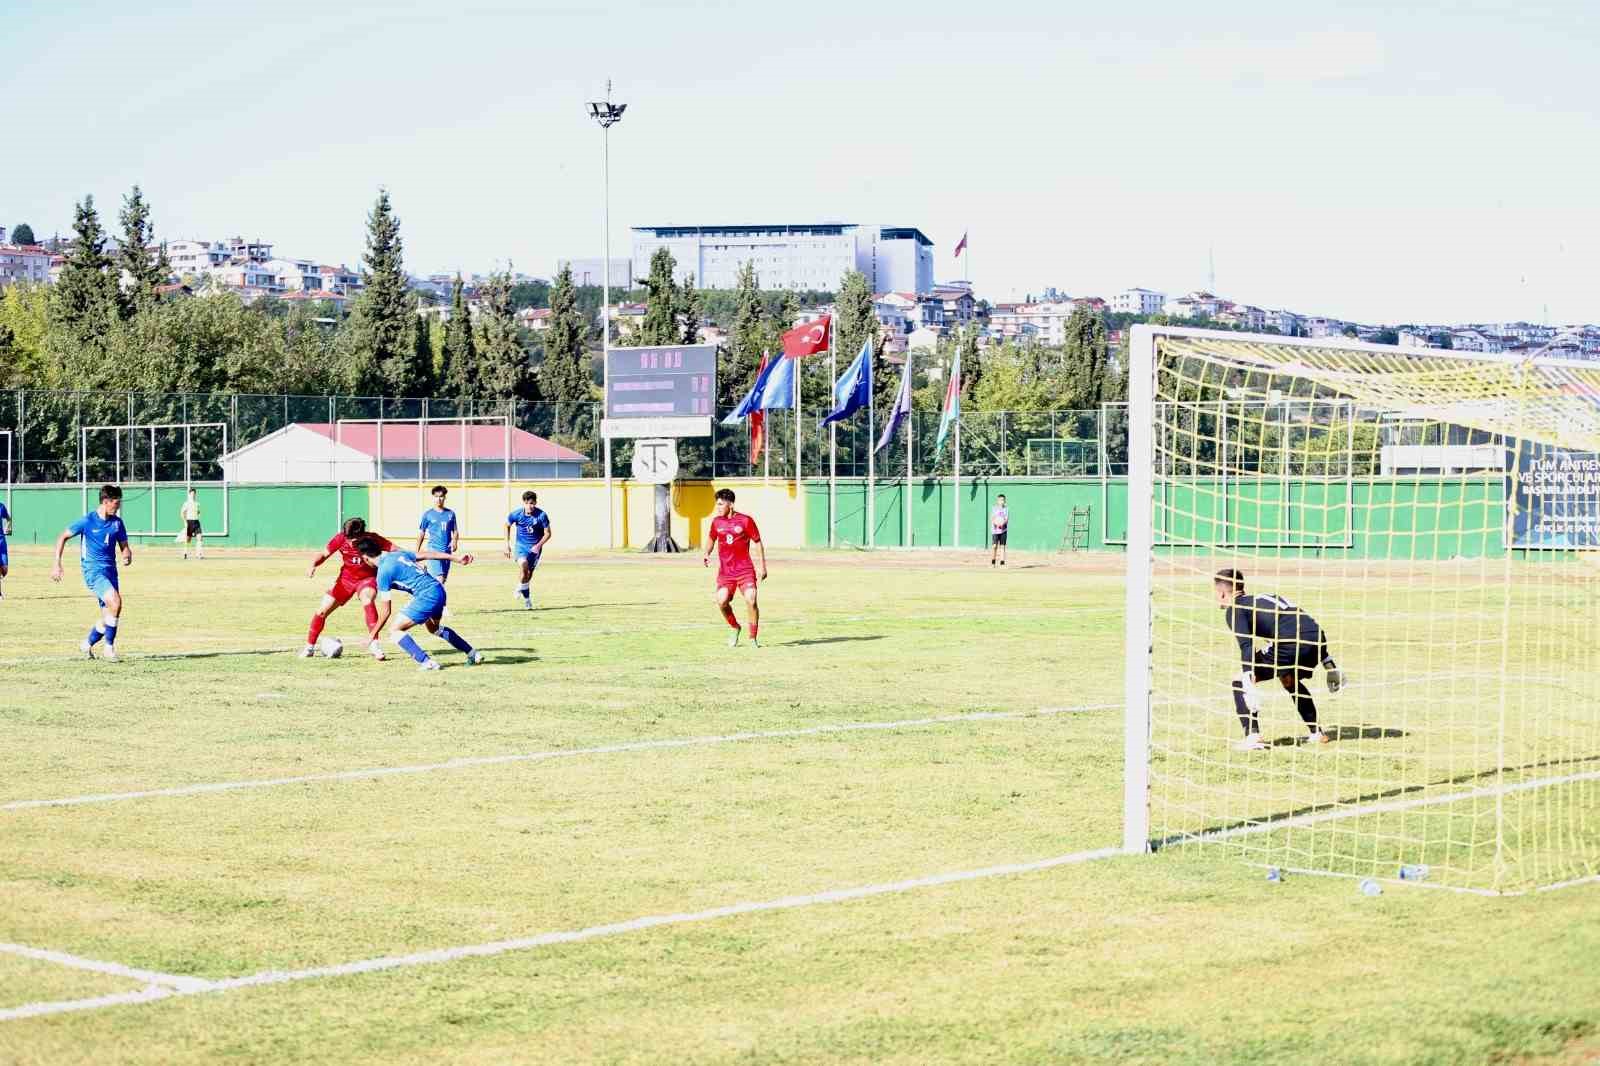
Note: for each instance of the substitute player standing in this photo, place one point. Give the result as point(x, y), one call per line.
point(104, 537)
point(732, 534)
point(355, 579)
point(404, 571)
point(532, 528)
point(192, 533)
point(437, 536)
point(999, 523)
point(1296, 645)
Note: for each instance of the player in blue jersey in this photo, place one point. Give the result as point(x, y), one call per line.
point(5, 554)
point(437, 534)
point(405, 572)
point(532, 528)
point(104, 537)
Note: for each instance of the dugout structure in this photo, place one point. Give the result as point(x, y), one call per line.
point(148, 455)
point(1462, 600)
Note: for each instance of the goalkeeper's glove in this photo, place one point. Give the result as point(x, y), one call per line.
point(1252, 697)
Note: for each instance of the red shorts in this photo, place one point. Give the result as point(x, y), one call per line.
point(347, 587)
point(746, 580)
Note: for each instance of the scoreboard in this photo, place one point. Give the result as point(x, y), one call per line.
point(667, 391)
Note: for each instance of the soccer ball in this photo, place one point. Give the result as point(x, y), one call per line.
point(331, 647)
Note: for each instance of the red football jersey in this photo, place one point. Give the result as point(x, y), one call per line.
point(351, 567)
point(734, 535)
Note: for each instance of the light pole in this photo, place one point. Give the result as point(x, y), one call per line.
point(607, 114)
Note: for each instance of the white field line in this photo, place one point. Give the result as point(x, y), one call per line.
point(559, 753)
point(571, 936)
point(115, 969)
point(438, 956)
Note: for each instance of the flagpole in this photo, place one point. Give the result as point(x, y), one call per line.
point(799, 490)
point(911, 422)
point(958, 468)
point(833, 441)
point(766, 451)
point(872, 476)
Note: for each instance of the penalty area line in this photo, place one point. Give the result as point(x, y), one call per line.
point(468, 762)
point(167, 981)
point(439, 956)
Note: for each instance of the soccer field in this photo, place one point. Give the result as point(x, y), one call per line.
point(880, 837)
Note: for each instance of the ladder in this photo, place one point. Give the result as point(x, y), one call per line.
point(1076, 535)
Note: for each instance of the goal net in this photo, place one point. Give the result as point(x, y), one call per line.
point(1426, 523)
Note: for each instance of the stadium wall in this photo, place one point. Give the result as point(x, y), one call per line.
point(1367, 518)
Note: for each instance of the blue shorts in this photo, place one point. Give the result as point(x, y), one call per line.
point(425, 608)
point(5, 554)
point(100, 582)
point(439, 568)
point(528, 555)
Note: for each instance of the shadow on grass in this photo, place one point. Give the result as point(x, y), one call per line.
point(1348, 732)
point(826, 640)
point(570, 607)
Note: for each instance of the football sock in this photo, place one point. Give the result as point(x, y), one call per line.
point(727, 613)
point(317, 622)
point(1305, 704)
point(1247, 717)
point(95, 633)
point(522, 590)
point(111, 631)
point(754, 628)
point(409, 645)
point(370, 612)
point(453, 638)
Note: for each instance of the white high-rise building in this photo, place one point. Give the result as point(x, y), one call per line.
point(1138, 302)
point(792, 256)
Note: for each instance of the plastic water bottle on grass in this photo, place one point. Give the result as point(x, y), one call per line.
point(1414, 872)
point(1274, 875)
point(1369, 887)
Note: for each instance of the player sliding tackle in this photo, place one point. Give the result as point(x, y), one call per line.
point(103, 534)
point(1296, 644)
point(355, 579)
point(732, 534)
point(403, 571)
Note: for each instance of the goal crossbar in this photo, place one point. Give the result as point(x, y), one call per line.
point(151, 429)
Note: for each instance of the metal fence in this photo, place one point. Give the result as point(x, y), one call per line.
point(65, 436)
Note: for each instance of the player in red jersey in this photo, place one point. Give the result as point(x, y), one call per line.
point(356, 579)
point(732, 533)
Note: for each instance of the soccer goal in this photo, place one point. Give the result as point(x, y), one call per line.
point(465, 453)
point(1061, 457)
point(1435, 517)
point(161, 461)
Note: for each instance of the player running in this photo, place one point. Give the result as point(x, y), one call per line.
point(438, 529)
point(103, 536)
point(1296, 644)
point(532, 527)
point(355, 579)
point(5, 553)
point(405, 571)
point(732, 534)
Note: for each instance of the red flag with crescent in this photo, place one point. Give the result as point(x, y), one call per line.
point(808, 338)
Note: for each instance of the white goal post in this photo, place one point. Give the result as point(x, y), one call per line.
point(411, 440)
point(133, 465)
point(1420, 525)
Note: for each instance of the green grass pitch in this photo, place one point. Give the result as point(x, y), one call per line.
point(1187, 956)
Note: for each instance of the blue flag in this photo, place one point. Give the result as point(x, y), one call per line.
point(902, 407)
point(853, 390)
point(774, 387)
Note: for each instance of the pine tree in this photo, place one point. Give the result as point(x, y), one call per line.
point(1086, 359)
point(565, 377)
point(690, 310)
point(748, 338)
point(971, 364)
point(22, 233)
point(383, 350)
point(143, 268)
point(663, 303)
point(458, 373)
point(502, 362)
point(85, 310)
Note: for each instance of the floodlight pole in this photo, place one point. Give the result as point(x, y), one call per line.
point(607, 114)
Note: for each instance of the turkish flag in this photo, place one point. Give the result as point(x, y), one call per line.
point(809, 339)
point(758, 423)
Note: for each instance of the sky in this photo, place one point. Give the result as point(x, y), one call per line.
point(1426, 162)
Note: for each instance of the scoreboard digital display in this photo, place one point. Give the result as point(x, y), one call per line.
point(679, 381)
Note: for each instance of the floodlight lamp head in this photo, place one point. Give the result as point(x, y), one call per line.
point(606, 113)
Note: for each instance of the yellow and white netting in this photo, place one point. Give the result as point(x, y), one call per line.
point(1435, 514)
